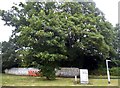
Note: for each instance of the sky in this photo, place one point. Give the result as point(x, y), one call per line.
point(108, 7)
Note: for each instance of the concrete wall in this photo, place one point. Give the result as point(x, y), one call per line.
point(68, 72)
point(63, 72)
point(20, 71)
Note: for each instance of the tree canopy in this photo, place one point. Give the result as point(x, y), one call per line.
point(56, 34)
point(9, 55)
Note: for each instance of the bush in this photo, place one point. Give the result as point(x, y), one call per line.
point(115, 71)
point(98, 72)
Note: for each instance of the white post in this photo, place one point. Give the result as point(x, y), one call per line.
point(108, 71)
point(75, 78)
point(75, 82)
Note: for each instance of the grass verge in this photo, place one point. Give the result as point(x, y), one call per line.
point(12, 80)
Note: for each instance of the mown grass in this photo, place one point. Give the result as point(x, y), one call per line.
point(12, 80)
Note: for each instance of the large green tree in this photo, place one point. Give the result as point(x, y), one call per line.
point(117, 44)
point(55, 33)
point(0, 57)
point(9, 55)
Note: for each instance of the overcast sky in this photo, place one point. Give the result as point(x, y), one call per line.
point(108, 7)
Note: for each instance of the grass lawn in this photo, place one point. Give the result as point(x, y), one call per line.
point(12, 80)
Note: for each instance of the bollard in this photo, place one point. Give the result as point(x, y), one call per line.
point(75, 81)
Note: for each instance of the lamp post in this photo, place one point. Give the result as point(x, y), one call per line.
point(108, 74)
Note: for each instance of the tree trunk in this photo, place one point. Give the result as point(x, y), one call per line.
point(47, 78)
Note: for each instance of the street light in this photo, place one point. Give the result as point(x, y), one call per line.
point(108, 71)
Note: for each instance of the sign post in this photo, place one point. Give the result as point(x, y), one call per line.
point(83, 76)
point(108, 73)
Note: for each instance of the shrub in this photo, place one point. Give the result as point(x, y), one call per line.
point(115, 71)
point(98, 72)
